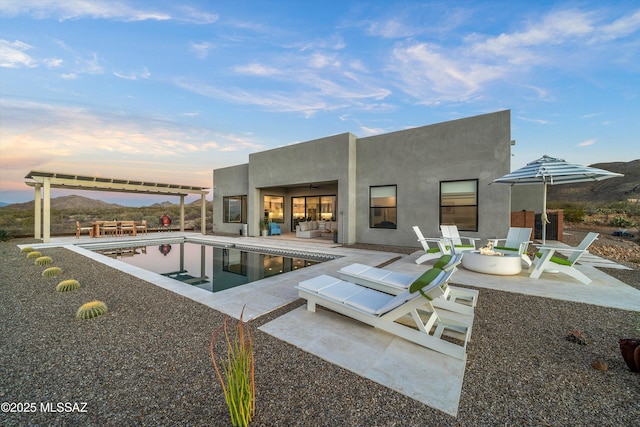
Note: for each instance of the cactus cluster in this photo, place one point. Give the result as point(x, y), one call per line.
point(43, 260)
point(26, 249)
point(52, 271)
point(68, 285)
point(34, 255)
point(91, 309)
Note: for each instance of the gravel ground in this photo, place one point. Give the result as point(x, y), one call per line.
point(146, 362)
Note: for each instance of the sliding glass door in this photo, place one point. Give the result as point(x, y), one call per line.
point(312, 208)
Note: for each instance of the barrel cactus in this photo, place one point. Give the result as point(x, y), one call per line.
point(52, 271)
point(91, 309)
point(43, 260)
point(26, 249)
point(34, 255)
point(68, 285)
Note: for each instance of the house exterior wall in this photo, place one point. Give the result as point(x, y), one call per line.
point(415, 160)
point(418, 159)
point(232, 181)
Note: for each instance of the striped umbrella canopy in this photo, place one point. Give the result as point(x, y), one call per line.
point(551, 171)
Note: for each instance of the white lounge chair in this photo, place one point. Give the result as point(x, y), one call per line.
point(451, 234)
point(516, 242)
point(384, 311)
point(544, 259)
point(440, 248)
point(455, 299)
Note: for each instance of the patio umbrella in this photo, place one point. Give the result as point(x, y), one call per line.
point(550, 171)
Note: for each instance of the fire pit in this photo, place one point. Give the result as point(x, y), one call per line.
point(487, 261)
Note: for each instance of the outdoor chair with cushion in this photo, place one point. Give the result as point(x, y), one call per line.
point(451, 234)
point(110, 227)
point(409, 315)
point(459, 300)
point(142, 226)
point(80, 229)
point(274, 229)
point(128, 227)
point(440, 248)
point(545, 259)
point(516, 242)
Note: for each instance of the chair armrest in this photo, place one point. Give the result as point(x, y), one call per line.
point(561, 249)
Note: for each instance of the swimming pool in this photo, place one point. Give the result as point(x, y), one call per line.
point(209, 267)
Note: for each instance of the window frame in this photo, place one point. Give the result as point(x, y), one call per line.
point(372, 208)
point(243, 209)
point(442, 207)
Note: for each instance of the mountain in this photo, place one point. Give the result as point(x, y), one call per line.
point(609, 190)
point(67, 202)
point(3, 204)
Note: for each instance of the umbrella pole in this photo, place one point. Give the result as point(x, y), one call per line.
point(544, 212)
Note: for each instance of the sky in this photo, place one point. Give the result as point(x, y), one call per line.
point(167, 91)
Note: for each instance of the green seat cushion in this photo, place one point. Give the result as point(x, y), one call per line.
point(436, 250)
point(557, 260)
point(442, 261)
point(464, 246)
point(424, 280)
point(505, 248)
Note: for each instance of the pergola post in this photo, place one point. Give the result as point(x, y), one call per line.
point(46, 212)
point(37, 214)
point(203, 214)
point(182, 213)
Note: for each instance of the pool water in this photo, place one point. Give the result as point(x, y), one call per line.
point(207, 267)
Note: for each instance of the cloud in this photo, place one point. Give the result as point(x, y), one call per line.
point(256, 70)
point(144, 74)
point(201, 50)
point(73, 9)
point(587, 143)
point(537, 121)
point(12, 55)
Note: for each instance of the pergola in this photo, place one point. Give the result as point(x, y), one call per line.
point(43, 182)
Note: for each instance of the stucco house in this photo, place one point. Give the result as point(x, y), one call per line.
point(374, 189)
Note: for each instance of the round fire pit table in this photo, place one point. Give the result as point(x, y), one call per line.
point(505, 265)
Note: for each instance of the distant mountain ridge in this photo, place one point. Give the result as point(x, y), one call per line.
point(79, 202)
point(609, 190)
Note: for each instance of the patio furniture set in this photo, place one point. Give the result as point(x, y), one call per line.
point(424, 309)
point(112, 228)
point(505, 258)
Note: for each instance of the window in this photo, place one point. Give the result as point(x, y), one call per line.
point(383, 207)
point(274, 208)
point(459, 204)
point(235, 209)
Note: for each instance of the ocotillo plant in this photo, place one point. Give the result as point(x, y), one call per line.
point(238, 381)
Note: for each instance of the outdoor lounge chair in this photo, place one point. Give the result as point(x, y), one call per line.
point(384, 311)
point(516, 242)
point(434, 252)
point(274, 229)
point(544, 259)
point(451, 234)
point(455, 299)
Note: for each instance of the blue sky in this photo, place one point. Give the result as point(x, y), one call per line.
point(168, 91)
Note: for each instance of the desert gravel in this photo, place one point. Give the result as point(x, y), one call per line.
point(146, 362)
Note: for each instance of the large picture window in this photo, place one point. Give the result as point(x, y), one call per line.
point(459, 204)
point(274, 208)
point(235, 209)
point(383, 207)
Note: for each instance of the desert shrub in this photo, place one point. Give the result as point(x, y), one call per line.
point(91, 309)
point(620, 221)
point(4, 235)
point(573, 214)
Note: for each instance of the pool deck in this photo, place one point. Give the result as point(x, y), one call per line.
point(366, 351)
